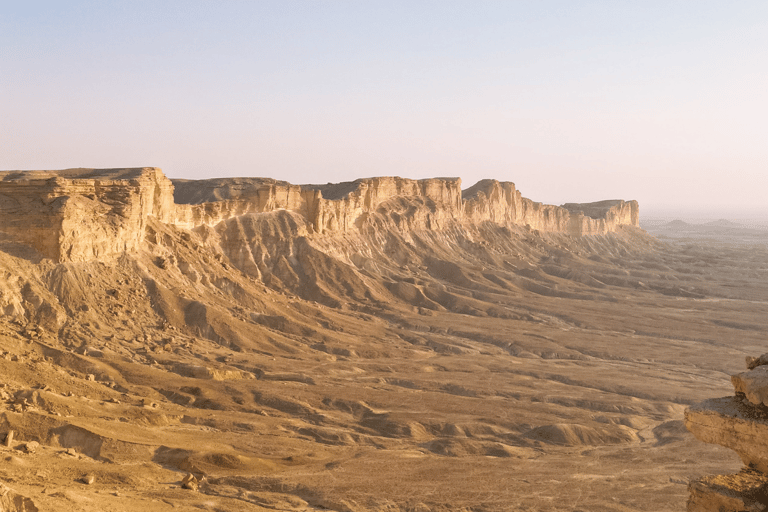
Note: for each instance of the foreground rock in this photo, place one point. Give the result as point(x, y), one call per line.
point(744, 491)
point(739, 423)
point(753, 385)
point(190, 482)
point(10, 501)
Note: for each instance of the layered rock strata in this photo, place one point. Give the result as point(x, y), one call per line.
point(501, 203)
point(83, 214)
point(86, 214)
point(740, 423)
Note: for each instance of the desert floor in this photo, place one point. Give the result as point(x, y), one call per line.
point(549, 375)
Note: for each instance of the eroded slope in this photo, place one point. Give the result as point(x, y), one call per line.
point(417, 362)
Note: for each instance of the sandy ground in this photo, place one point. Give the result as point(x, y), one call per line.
point(490, 370)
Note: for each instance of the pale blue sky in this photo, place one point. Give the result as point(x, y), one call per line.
point(664, 102)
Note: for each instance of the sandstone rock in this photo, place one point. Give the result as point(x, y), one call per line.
point(9, 438)
point(754, 362)
point(88, 479)
point(742, 492)
point(12, 502)
point(490, 200)
point(31, 446)
point(83, 214)
point(93, 352)
point(753, 384)
point(204, 372)
point(190, 482)
point(731, 423)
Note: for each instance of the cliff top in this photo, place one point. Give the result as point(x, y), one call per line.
point(336, 191)
point(596, 210)
point(481, 186)
point(83, 214)
point(188, 191)
point(219, 189)
point(128, 173)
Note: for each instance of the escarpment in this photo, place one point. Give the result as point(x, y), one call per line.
point(87, 214)
point(501, 203)
point(356, 346)
point(326, 208)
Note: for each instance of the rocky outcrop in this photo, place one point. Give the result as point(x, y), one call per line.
point(744, 491)
point(345, 206)
point(86, 214)
point(739, 423)
point(603, 216)
point(346, 213)
point(501, 203)
point(327, 208)
point(83, 214)
point(10, 501)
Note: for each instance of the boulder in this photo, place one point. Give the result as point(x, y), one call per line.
point(10, 501)
point(753, 384)
point(31, 446)
point(754, 362)
point(189, 482)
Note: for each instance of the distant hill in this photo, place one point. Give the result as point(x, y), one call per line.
point(677, 223)
point(723, 223)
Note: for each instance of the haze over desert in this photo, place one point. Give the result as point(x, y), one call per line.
point(302, 255)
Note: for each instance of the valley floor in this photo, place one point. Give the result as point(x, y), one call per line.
point(538, 373)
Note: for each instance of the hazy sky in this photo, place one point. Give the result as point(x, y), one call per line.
point(665, 102)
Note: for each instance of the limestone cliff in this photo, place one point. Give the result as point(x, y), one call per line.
point(85, 214)
point(332, 207)
point(501, 203)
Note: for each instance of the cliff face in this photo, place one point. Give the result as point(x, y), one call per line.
point(347, 213)
point(326, 208)
point(268, 198)
point(500, 203)
point(84, 214)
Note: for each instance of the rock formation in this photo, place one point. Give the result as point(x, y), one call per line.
point(383, 344)
point(739, 423)
point(87, 214)
point(83, 214)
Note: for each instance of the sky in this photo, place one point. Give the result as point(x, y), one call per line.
point(665, 102)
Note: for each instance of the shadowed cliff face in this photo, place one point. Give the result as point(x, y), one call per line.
point(86, 214)
point(426, 350)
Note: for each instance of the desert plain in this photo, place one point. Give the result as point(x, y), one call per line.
point(380, 345)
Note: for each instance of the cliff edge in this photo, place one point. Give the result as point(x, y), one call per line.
point(86, 214)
